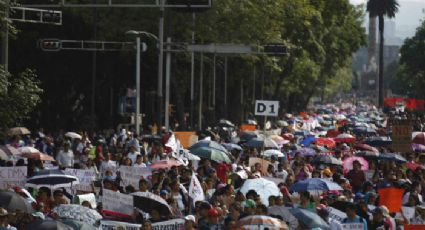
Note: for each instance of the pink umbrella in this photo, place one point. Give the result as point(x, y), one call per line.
point(345, 138)
point(33, 153)
point(323, 141)
point(165, 164)
point(347, 163)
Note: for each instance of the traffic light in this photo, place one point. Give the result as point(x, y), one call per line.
point(192, 5)
point(275, 49)
point(50, 44)
point(54, 17)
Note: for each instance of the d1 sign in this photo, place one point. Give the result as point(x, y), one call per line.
point(266, 108)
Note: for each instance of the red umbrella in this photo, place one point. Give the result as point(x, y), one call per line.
point(419, 138)
point(332, 133)
point(165, 164)
point(366, 147)
point(413, 166)
point(345, 138)
point(328, 142)
point(288, 136)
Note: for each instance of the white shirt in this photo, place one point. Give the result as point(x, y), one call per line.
point(107, 165)
point(140, 165)
point(65, 159)
point(283, 174)
point(133, 156)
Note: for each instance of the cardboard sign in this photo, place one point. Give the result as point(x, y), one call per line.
point(266, 108)
point(401, 135)
point(12, 176)
point(110, 225)
point(264, 163)
point(174, 224)
point(117, 202)
point(131, 175)
point(90, 197)
point(391, 198)
point(414, 226)
point(186, 139)
point(86, 178)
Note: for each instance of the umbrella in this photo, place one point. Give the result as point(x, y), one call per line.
point(231, 146)
point(3, 155)
point(251, 122)
point(225, 123)
point(305, 152)
point(363, 130)
point(323, 141)
point(314, 184)
point(418, 147)
point(367, 154)
point(261, 222)
point(78, 225)
point(340, 205)
point(366, 147)
point(347, 164)
point(307, 141)
point(165, 164)
point(9, 150)
point(47, 225)
point(332, 133)
point(73, 135)
point(273, 152)
point(18, 131)
point(211, 154)
point(147, 201)
point(309, 218)
point(263, 187)
point(12, 201)
point(392, 156)
point(259, 142)
point(288, 136)
point(77, 212)
point(282, 123)
point(246, 136)
point(345, 137)
point(413, 166)
point(378, 141)
point(326, 159)
point(208, 144)
point(33, 153)
point(53, 178)
point(279, 140)
point(419, 138)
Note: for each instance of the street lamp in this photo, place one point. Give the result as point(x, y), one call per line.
point(138, 34)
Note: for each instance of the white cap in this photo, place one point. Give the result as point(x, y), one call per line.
point(191, 218)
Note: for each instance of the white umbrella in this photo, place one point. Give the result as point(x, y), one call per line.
point(28, 149)
point(273, 152)
point(263, 187)
point(73, 135)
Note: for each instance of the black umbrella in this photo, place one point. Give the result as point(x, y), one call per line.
point(12, 201)
point(147, 201)
point(47, 225)
point(378, 141)
point(52, 179)
point(393, 157)
point(325, 159)
point(225, 123)
point(340, 205)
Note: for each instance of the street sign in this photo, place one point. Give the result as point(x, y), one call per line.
point(266, 108)
point(401, 135)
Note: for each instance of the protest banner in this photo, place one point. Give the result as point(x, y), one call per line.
point(111, 225)
point(336, 215)
point(90, 197)
point(117, 202)
point(414, 226)
point(174, 224)
point(195, 190)
point(112, 168)
point(401, 135)
point(12, 176)
point(131, 175)
point(264, 163)
point(391, 198)
point(86, 178)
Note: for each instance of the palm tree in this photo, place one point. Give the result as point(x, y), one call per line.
point(381, 8)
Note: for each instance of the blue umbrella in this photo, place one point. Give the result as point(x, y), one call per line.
point(260, 143)
point(246, 136)
point(231, 146)
point(208, 144)
point(378, 141)
point(309, 218)
point(392, 156)
point(363, 130)
point(305, 152)
point(307, 141)
point(314, 184)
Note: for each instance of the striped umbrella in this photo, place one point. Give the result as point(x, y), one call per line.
point(261, 222)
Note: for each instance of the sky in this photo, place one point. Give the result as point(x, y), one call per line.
point(408, 18)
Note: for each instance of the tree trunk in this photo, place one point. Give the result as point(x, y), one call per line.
point(381, 61)
point(371, 51)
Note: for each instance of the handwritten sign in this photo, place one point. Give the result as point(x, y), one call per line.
point(264, 163)
point(110, 225)
point(401, 135)
point(174, 224)
point(117, 202)
point(132, 175)
point(12, 176)
point(85, 176)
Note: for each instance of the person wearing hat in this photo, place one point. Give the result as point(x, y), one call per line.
point(213, 219)
point(249, 208)
point(420, 214)
point(356, 176)
point(190, 222)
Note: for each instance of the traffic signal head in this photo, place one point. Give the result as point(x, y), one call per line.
point(50, 44)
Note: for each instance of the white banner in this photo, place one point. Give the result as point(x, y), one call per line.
point(195, 190)
point(86, 178)
point(90, 197)
point(117, 202)
point(110, 225)
point(174, 224)
point(131, 175)
point(12, 176)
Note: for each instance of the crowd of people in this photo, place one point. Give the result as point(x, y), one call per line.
point(333, 167)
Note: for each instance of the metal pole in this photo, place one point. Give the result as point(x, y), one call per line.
point(253, 84)
point(137, 85)
point(201, 81)
point(167, 85)
point(5, 40)
point(242, 105)
point(225, 87)
point(214, 77)
point(192, 74)
point(160, 62)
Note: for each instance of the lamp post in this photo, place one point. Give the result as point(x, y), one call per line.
point(138, 34)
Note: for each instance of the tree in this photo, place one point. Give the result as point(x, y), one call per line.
point(381, 9)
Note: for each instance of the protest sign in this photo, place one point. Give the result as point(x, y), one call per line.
point(391, 198)
point(195, 190)
point(90, 197)
point(264, 163)
point(352, 226)
point(12, 176)
point(131, 175)
point(187, 139)
point(336, 215)
point(174, 224)
point(86, 178)
point(117, 202)
point(108, 167)
point(408, 212)
point(414, 226)
point(110, 225)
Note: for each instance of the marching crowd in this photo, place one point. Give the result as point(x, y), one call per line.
point(333, 167)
